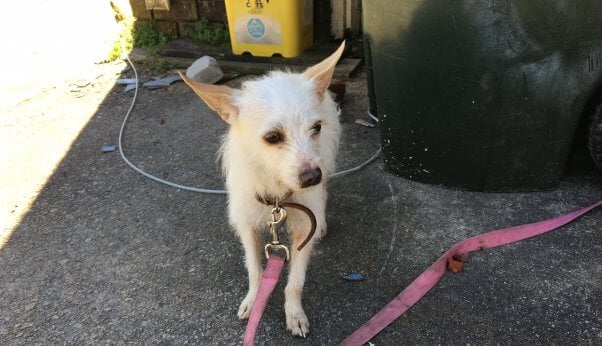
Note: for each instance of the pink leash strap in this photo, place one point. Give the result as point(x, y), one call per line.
point(429, 278)
point(269, 279)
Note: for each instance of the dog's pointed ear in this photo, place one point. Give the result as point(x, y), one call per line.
point(217, 97)
point(323, 71)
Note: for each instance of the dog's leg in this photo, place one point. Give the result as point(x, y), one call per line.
point(251, 243)
point(296, 320)
point(322, 230)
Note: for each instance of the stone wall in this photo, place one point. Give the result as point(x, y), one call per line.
point(182, 15)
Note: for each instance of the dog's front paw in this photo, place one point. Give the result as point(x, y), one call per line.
point(296, 321)
point(244, 311)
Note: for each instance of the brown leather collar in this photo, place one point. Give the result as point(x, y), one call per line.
point(273, 201)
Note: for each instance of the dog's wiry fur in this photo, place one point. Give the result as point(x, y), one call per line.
point(290, 105)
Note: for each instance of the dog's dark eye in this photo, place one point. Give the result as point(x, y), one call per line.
point(273, 137)
point(317, 128)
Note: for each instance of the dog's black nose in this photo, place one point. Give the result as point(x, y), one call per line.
point(310, 177)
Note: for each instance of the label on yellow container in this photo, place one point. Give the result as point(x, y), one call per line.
point(252, 29)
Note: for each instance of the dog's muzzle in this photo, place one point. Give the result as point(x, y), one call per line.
point(310, 177)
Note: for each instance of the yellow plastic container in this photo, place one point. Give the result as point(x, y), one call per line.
point(268, 27)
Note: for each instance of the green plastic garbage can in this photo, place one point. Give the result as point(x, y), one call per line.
point(482, 95)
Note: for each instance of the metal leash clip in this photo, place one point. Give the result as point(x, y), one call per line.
point(276, 222)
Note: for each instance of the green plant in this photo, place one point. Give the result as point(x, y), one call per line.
point(146, 36)
point(155, 66)
point(125, 39)
point(207, 33)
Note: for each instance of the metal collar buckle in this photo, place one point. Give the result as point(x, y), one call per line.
point(277, 221)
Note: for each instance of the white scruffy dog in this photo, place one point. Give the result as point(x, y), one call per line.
point(283, 138)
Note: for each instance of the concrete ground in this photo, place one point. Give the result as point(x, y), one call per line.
point(46, 42)
point(97, 254)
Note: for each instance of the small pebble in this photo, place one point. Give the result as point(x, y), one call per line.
point(353, 277)
point(108, 148)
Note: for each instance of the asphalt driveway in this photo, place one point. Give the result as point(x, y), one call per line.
point(103, 255)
